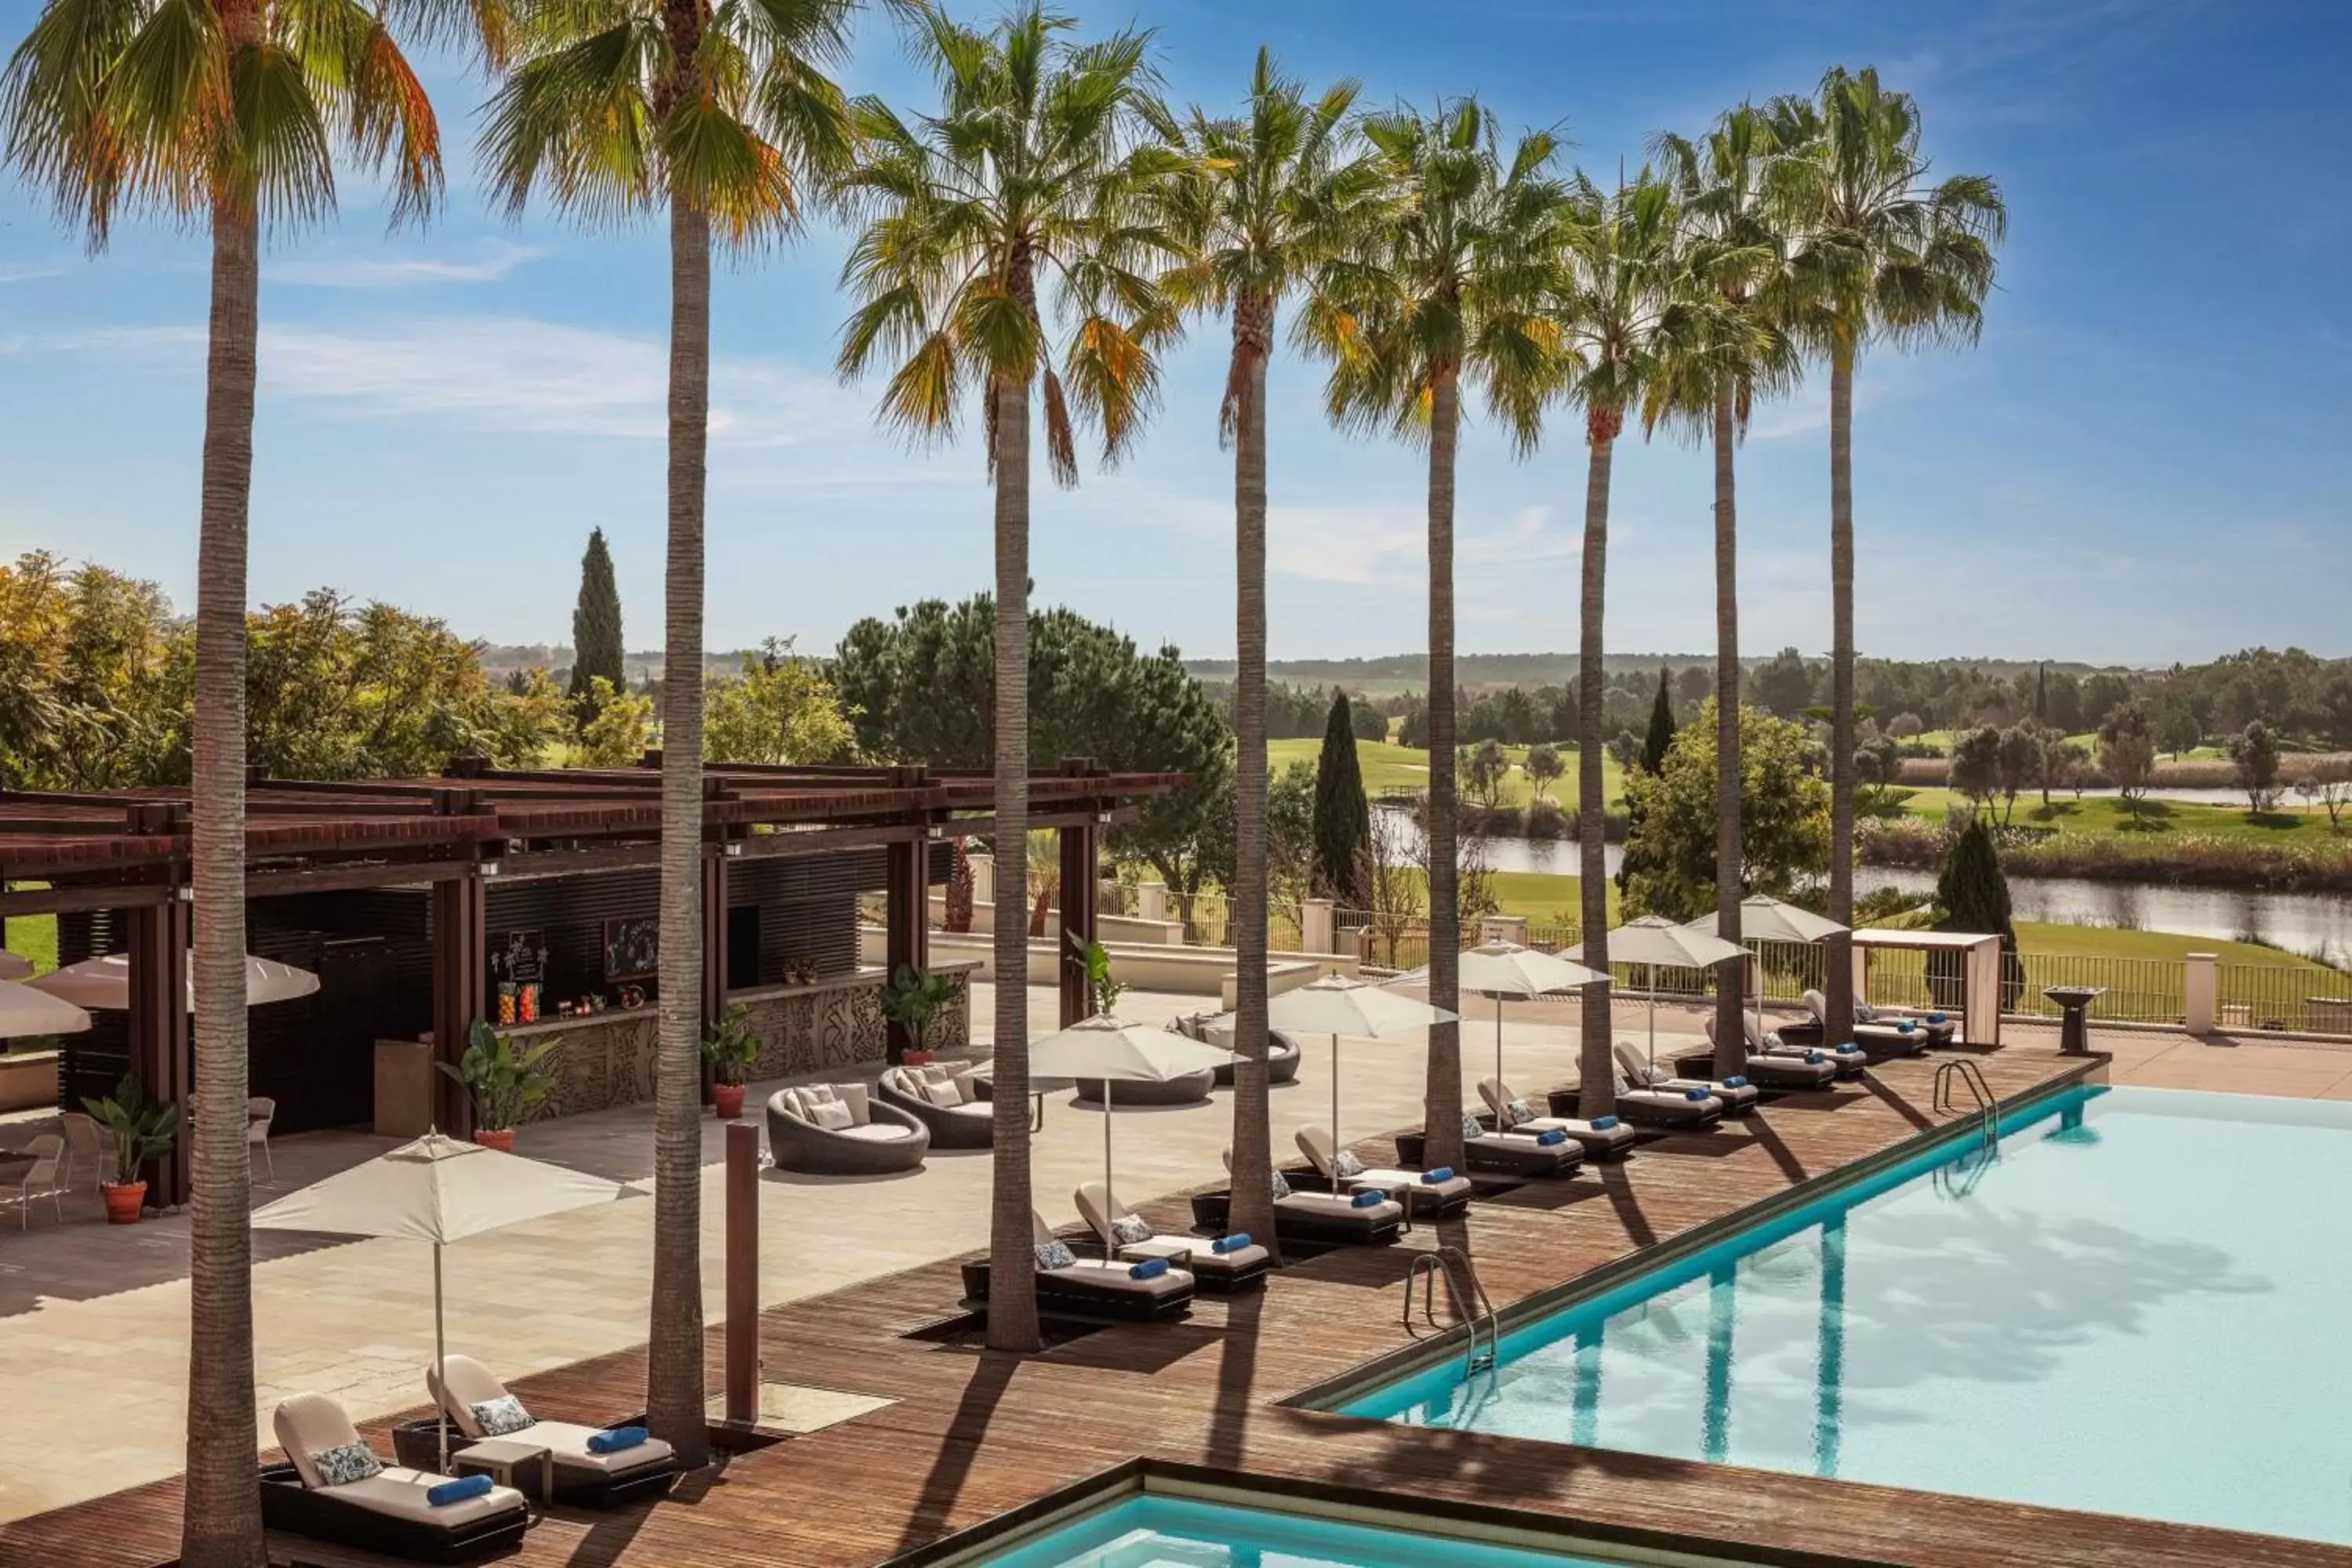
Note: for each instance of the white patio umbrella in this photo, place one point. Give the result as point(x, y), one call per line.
point(24, 1011)
point(438, 1189)
point(1337, 1005)
point(1764, 919)
point(105, 982)
point(1654, 940)
point(14, 965)
point(1501, 969)
point(1118, 1052)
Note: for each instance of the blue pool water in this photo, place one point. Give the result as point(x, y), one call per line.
point(1179, 1533)
point(2139, 1307)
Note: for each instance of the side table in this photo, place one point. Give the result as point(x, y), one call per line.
point(529, 1467)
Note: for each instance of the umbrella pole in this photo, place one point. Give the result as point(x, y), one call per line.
point(440, 1363)
point(1335, 1089)
point(1107, 1214)
point(1654, 1020)
point(1500, 1080)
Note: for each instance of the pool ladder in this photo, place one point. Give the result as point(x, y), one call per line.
point(1950, 1078)
point(1463, 1284)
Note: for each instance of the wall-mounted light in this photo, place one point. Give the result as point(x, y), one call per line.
point(733, 850)
point(185, 892)
point(1103, 817)
point(489, 867)
point(935, 831)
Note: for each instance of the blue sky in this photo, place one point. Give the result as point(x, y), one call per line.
point(2145, 460)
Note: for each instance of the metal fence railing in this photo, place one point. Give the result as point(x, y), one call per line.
point(1115, 898)
point(1208, 923)
point(2277, 996)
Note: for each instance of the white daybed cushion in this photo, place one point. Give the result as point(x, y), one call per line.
point(875, 1133)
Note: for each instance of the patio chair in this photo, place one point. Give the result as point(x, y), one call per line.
point(1739, 1097)
point(467, 1395)
point(1776, 1064)
point(332, 1488)
point(88, 1146)
point(1603, 1138)
point(837, 1130)
point(259, 1112)
point(44, 1178)
point(1329, 1219)
point(944, 1097)
point(1219, 1264)
point(1433, 1195)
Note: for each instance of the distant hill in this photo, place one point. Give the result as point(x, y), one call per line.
point(499, 658)
point(1409, 671)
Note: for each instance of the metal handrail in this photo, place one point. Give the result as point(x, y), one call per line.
point(1946, 1102)
point(1468, 1290)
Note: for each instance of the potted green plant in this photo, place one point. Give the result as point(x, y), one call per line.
point(503, 1082)
point(731, 1050)
point(912, 1000)
point(1096, 959)
point(142, 1133)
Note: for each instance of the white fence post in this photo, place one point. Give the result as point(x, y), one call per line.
point(1151, 900)
point(2200, 991)
point(1317, 922)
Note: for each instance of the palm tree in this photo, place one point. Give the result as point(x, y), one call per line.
point(724, 117)
point(1879, 253)
point(1038, 169)
point(230, 114)
point(1627, 310)
point(1269, 200)
point(1731, 243)
point(1454, 283)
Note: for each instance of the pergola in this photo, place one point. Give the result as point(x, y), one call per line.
point(1980, 972)
point(130, 851)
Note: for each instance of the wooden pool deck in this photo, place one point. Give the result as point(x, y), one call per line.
point(971, 1435)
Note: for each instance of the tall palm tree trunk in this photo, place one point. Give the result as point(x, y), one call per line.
point(1012, 1266)
point(1252, 1190)
point(1442, 1099)
point(674, 1371)
point(1730, 1032)
point(1596, 1077)
point(1837, 956)
point(221, 1511)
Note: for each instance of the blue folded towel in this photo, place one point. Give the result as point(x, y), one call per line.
point(1696, 1094)
point(1368, 1200)
point(1233, 1243)
point(615, 1439)
point(1938, 1018)
point(1735, 1082)
point(1850, 1046)
point(1906, 1026)
point(441, 1494)
point(1815, 1057)
point(1442, 1173)
point(1603, 1123)
point(1150, 1268)
point(1553, 1137)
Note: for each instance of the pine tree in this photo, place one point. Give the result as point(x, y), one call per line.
point(1661, 727)
point(595, 628)
point(1343, 822)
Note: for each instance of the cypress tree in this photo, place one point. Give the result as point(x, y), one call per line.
point(1973, 891)
point(595, 627)
point(2041, 694)
point(1662, 729)
point(1343, 820)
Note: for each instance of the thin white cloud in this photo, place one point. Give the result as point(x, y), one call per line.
point(497, 258)
point(24, 272)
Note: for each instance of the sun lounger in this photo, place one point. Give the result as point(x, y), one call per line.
point(1879, 1039)
point(1448, 1194)
point(1506, 1154)
point(1105, 1288)
point(1796, 1070)
point(1329, 1219)
point(1738, 1096)
point(1214, 1265)
point(583, 1474)
point(332, 1488)
point(1610, 1137)
point(1849, 1060)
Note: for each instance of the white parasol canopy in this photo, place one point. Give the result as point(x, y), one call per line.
point(1763, 919)
point(105, 982)
point(14, 965)
point(1118, 1052)
point(1337, 1005)
point(1501, 969)
point(438, 1189)
point(24, 1011)
point(1655, 942)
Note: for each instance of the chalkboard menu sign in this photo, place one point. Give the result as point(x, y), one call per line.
point(521, 958)
point(632, 947)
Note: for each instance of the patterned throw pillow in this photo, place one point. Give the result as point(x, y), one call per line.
point(501, 1416)
point(1518, 1113)
point(1473, 1128)
point(1345, 1164)
point(1054, 1254)
point(1281, 1185)
point(831, 1115)
point(1130, 1229)
point(341, 1465)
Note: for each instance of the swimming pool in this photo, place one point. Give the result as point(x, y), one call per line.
point(2137, 1308)
point(1151, 1532)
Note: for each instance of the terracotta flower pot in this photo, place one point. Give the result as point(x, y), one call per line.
point(915, 1058)
point(501, 1138)
point(123, 1201)
point(727, 1099)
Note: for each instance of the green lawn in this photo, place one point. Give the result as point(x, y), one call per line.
point(2106, 816)
point(34, 938)
point(1386, 766)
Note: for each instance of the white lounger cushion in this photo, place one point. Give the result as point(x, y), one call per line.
point(1497, 1095)
point(1114, 1276)
point(1327, 1206)
point(1384, 1180)
point(401, 1493)
point(569, 1444)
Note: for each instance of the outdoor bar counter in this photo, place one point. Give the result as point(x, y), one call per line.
point(607, 1058)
